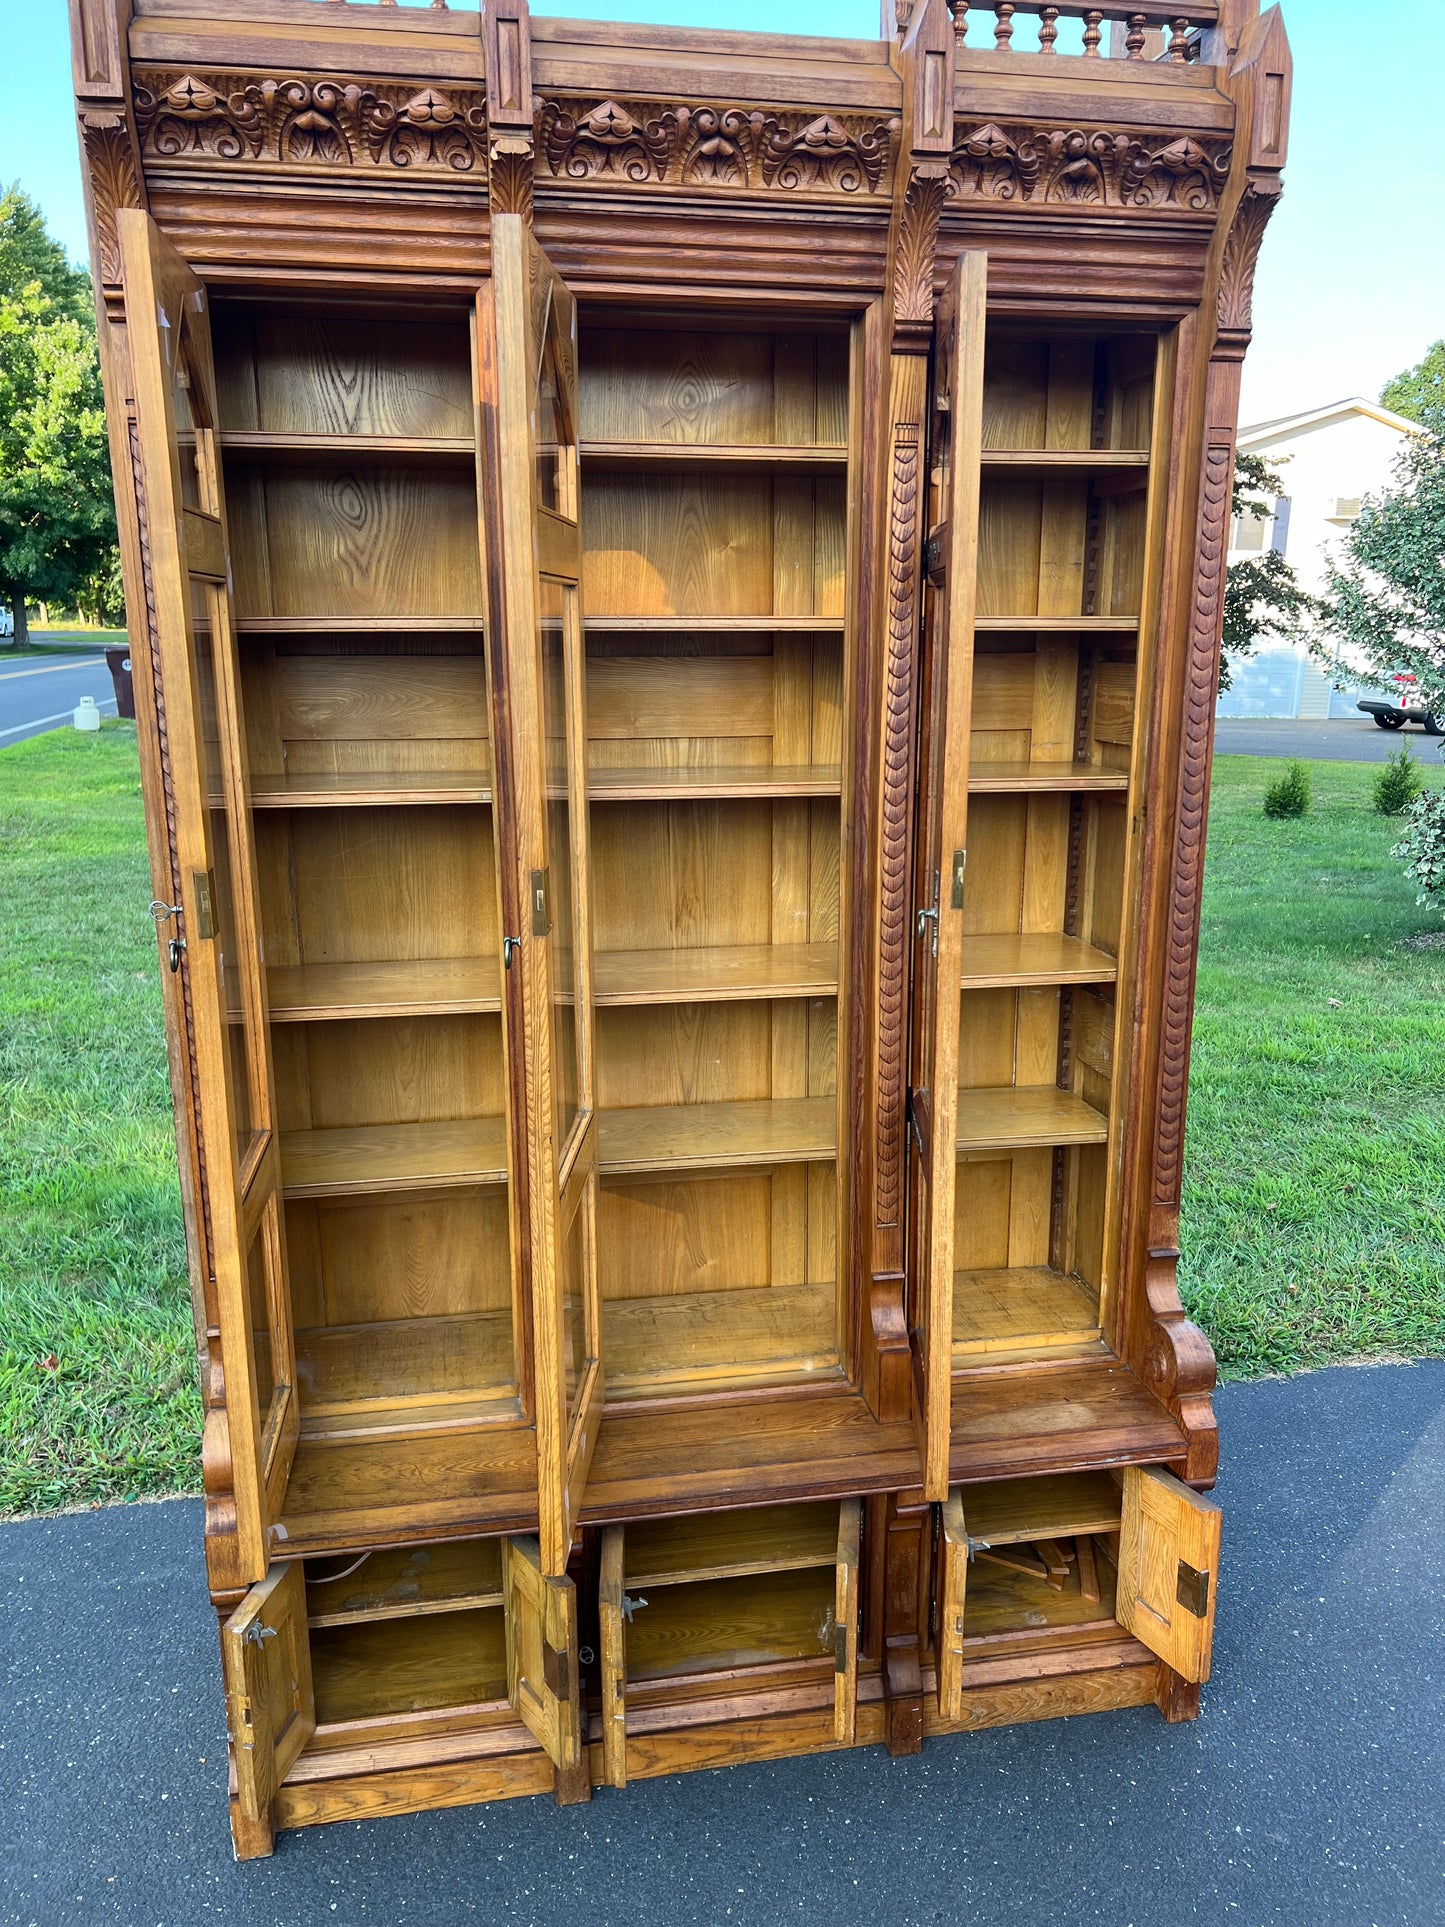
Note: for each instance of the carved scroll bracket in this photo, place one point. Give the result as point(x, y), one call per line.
point(1235, 302)
point(511, 167)
point(113, 166)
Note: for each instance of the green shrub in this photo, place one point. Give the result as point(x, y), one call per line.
point(1289, 795)
point(1398, 783)
point(1422, 847)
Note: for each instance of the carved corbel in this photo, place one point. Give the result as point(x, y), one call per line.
point(111, 152)
point(507, 38)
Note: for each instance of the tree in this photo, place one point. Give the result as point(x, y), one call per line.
point(1385, 592)
point(1262, 595)
point(57, 511)
point(1419, 392)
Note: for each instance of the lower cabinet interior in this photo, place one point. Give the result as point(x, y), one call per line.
point(405, 1632)
point(711, 1617)
point(1042, 1555)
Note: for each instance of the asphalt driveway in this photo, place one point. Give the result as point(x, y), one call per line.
point(1346, 740)
point(39, 692)
point(1309, 1792)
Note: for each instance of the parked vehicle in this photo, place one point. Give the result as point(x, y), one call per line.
point(7, 624)
point(1394, 715)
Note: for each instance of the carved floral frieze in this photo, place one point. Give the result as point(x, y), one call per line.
point(1087, 167)
point(327, 123)
point(633, 142)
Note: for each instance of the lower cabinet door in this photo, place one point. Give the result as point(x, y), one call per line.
point(462, 1630)
point(725, 1608)
point(1027, 1556)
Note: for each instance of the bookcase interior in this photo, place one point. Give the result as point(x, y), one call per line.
point(1063, 544)
point(714, 543)
point(714, 499)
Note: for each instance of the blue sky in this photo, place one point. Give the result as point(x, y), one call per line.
point(1351, 284)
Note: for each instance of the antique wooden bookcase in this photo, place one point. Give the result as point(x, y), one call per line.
point(675, 587)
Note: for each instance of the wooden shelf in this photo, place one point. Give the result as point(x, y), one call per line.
point(397, 626)
point(1066, 458)
point(993, 779)
point(353, 1495)
point(721, 974)
point(358, 1159)
point(353, 788)
point(713, 625)
point(998, 961)
point(701, 784)
point(730, 1545)
point(706, 1137)
point(775, 455)
point(426, 987)
point(451, 986)
point(716, 1340)
point(406, 1374)
point(1019, 1117)
point(814, 1443)
point(1014, 1512)
point(1056, 625)
point(355, 1160)
point(1022, 1310)
point(1058, 1417)
point(347, 448)
point(408, 1582)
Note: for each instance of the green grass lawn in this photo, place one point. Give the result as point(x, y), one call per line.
point(1314, 1223)
point(98, 1397)
point(1314, 1183)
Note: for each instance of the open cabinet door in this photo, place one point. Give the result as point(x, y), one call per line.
point(527, 362)
point(952, 1599)
point(212, 927)
point(266, 1658)
point(845, 1613)
point(1168, 1569)
point(612, 1611)
point(542, 1683)
point(949, 595)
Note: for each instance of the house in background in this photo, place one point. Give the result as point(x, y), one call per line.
point(1328, 459)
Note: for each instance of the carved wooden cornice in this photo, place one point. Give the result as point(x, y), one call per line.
point(301, 121)
point(1087, 168)
point(637, 143)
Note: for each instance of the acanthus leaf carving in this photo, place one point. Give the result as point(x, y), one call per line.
point(1087, 167)
point(300, 121)
point(915, 246)
point(114, 182)
point(745, 149)
point(1235, 306)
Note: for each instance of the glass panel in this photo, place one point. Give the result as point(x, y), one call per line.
point(258, 1311)
point(239, 1044)
point(576, 1343)
point(550, 427)
point(558, 604)
point(185, 417)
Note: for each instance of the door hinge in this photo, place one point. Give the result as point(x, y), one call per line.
point(1192, 1590)
point(541, 902)
point(205, 912)
point(557, 1671)
point(914, 1125)
point(929, 917)
point(960, 864)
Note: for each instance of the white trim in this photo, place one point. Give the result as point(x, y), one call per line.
point(1316, 417)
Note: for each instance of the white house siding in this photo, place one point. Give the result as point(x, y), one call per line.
point(1324, 456)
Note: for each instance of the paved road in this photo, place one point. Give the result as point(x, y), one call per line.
point(1310, 1791)
point(1344, 741)
point(39, 692)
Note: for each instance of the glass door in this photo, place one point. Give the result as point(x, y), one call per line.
point(211, 926)
point(949, 596)
point(527, 360)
